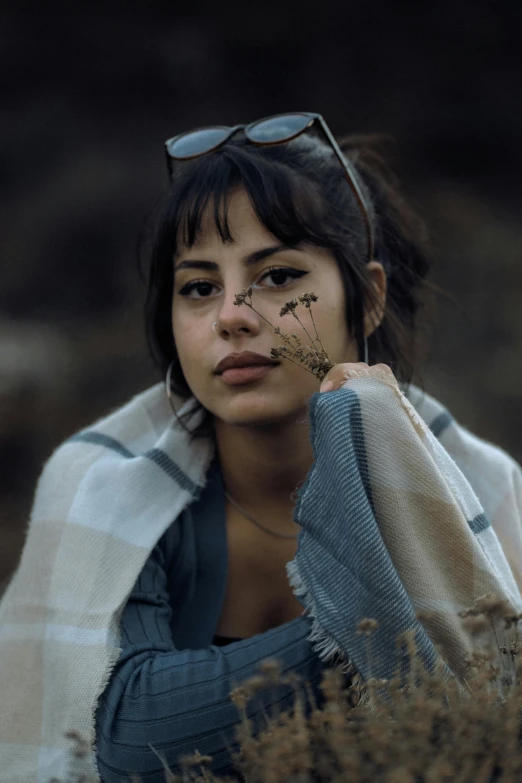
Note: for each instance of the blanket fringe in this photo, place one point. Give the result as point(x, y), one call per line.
point(323, 643)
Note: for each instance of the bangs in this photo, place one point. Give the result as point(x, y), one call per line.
point(288, 204)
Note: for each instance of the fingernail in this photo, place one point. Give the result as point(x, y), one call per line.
point(326, 386)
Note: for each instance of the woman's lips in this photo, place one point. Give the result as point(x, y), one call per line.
point(237, 376)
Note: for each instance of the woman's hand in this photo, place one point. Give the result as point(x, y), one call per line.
point(340, 373)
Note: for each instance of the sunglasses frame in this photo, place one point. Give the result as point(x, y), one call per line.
point(313, 118)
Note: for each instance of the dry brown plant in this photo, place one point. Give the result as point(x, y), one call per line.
point(312, 357)
point(417, 728)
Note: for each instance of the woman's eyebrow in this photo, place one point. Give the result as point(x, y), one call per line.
point(252, 258)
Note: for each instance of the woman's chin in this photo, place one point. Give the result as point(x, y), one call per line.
point(261, 410)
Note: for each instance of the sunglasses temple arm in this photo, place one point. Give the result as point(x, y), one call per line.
point(346, 164)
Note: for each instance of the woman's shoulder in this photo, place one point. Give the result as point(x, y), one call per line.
point(130, 428)
point(113, 490)
point(135, 429)
point(485, 464)
point(110, 474)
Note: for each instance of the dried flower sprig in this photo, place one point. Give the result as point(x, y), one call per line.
point(415, 727)
point(314, 360)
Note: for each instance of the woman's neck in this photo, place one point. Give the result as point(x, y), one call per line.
point(263, 466)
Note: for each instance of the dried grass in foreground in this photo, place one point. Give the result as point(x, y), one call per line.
point(422, 729)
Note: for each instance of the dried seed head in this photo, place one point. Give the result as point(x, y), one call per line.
point(81, 743)
point(292, 678)
point(307, 299)
point(271, 668)
point(514, 648)
point(511, 619)
point(470, 612)
point(407, 638)
point(239, 697)
point(73, 734)
point(240, 298)
point(476, 624)
point(288, 307)
point(425, 617)
point(479, 657)
point(194, 760)
point(316, 361)
point(492, 605)
point(254, 684)
point(377, 682)
point(332, 683)
point(367, 626)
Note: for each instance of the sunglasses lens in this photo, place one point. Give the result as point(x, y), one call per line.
point(278, 128)
point(197, 142)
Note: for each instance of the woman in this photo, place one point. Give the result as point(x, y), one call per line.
point(169, 555)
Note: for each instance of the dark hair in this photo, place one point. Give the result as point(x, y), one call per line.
point(299, 192)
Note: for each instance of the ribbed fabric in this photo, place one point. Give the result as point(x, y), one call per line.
point(171, 684)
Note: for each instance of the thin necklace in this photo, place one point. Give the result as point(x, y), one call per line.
point(247, 515)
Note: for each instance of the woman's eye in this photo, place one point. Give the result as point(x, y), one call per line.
point(187, 289)
point(283, 271)
point(276, 273)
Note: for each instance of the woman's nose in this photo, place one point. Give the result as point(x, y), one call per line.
point(233, 317)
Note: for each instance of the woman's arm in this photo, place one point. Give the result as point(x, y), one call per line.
point(178, 700)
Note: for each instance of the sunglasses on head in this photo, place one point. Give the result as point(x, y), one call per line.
point(266, 132)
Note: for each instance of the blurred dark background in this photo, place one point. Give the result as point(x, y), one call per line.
point(89, 93)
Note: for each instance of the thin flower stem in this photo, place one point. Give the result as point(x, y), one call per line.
point(315, 327)
point(313, 349)
point(299, 364)
point(248, 304)
point(286, 338)
point(313, 357)
point(304, 327)
point(496, 637)
point(468, 686)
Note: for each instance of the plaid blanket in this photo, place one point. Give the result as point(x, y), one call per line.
point(403, 510)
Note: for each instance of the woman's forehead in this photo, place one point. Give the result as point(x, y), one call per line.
point(241, 219)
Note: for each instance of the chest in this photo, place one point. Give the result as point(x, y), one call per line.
point(258, 595)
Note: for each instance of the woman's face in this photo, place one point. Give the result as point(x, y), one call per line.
point(203, 296)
